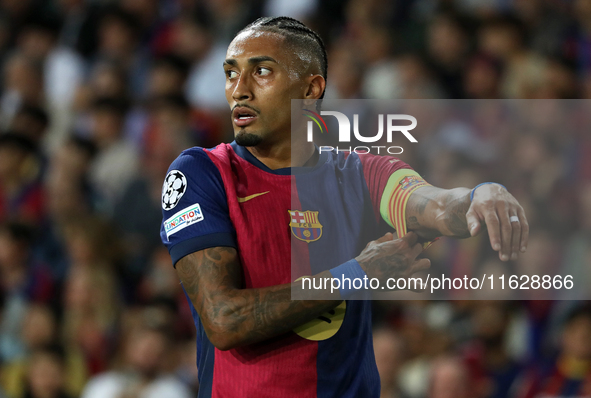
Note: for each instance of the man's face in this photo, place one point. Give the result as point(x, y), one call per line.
point(262, 76)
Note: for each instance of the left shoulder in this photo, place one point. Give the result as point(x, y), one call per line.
point(379, 163)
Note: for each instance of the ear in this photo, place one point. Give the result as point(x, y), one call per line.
point(315, 88)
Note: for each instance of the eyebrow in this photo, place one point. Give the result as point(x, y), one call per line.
point(253, 60)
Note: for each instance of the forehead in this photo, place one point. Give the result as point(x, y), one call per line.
point(256, 43)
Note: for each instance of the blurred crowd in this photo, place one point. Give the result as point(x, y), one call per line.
point(98, 97)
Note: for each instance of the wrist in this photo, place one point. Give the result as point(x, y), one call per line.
point(347, 273)
point(481, 184)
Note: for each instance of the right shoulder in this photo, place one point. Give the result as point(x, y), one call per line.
point(200, 157)
point(190, 155)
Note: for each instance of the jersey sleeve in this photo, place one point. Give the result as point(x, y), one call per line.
point(390, 182)
point(195, 213)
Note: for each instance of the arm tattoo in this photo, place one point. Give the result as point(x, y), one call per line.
point(456, 207)
point(433, 212)
point(412, 223)
point(233, 316)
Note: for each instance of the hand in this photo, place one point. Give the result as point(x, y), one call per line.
point(494, 205)
point(387, 257)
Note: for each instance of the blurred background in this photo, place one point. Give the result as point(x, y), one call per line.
point(98, 97)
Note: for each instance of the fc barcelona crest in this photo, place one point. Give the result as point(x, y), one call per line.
point(410, 181)
point(305, 225)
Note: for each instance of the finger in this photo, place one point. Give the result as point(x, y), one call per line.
point(385, 238)
point(515, 237)
point(473, 222)
point(410, 238)
point(398, 247)
point(420, 265)
point(493, 228)
point(415, 250)
point(506, 235)
point(524, 228)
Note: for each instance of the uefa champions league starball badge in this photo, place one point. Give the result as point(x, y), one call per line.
point(175, 185)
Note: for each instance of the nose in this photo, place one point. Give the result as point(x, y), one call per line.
point(242, 90)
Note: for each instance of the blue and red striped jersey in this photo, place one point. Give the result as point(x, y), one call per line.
point(226, 197)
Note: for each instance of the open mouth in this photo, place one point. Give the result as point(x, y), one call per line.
point(243, 116)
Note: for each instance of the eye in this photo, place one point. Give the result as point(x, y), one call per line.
point(263, 71)
point(231, 74)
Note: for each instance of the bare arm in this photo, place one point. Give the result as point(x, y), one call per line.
point(233, 316)
point(433, 212)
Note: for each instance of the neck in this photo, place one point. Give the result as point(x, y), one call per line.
point(280, 155)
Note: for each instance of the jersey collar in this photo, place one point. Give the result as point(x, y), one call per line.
point(250, 158)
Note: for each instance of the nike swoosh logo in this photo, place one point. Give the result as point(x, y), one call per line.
point(247, 198)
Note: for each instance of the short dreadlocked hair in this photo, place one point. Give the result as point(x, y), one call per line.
point(299, 35)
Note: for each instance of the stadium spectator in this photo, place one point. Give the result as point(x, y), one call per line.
point(159, 280)
point(116, 162)
point(490, 366)
point(107, 80)
point(137, 224)
point(450, 379)
point(142, 374)
point(69, 196)
point(504, 38)
point(22, 83)
point(346, 74)
point(187, 371)
point(569, 374)
point(62, 67)
point(39, 327)
point(447, 48)
point(119, 41)
point(46, 376)
point(482, 77)
point(30, 121)
point(40, 334)
point(389, 353)
point(90, 306)
point(167, 76)
point(21, 192)
point(173, 124)
point(22, 280)
point(193, 38)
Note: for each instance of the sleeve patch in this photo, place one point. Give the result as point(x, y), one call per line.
point(175, 185)
point(181, 220)
point(194, 184)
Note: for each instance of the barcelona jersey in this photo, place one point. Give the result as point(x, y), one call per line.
point(226, 197)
